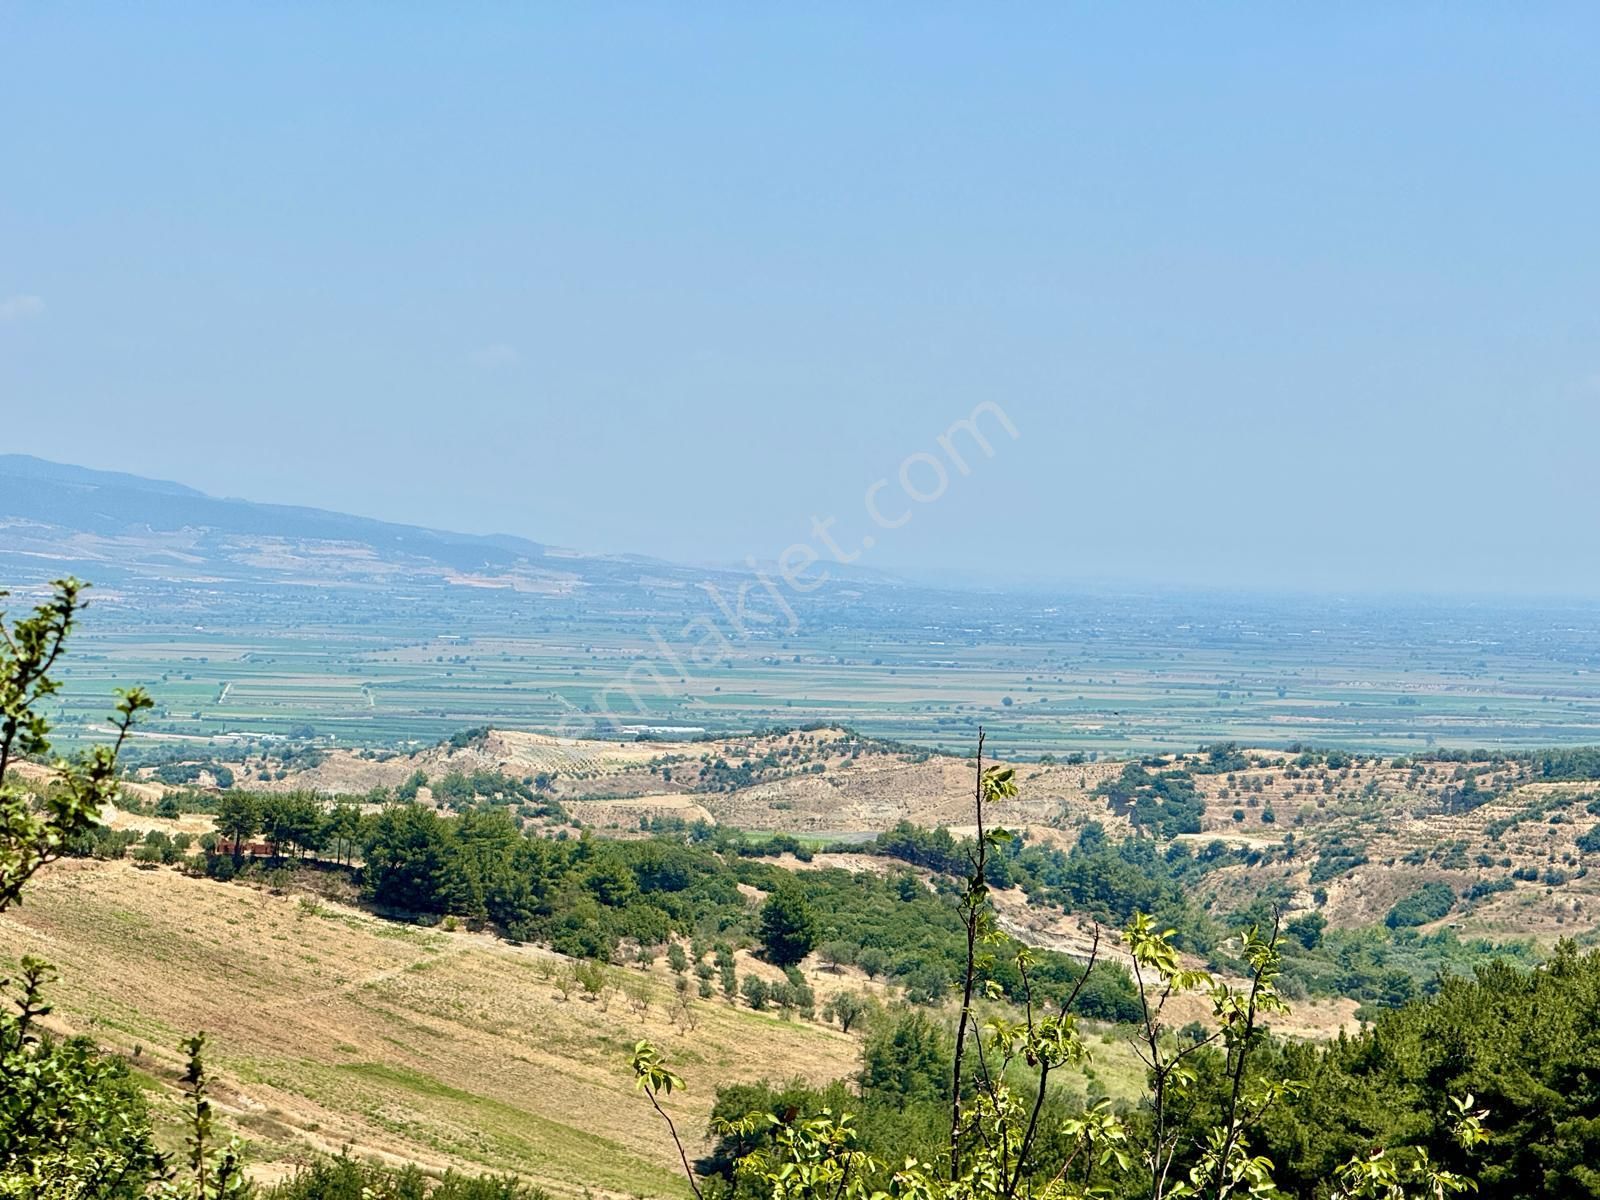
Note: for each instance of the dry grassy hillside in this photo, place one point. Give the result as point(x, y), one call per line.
point(822, 781)
point(330, 1027)
point(1349, 834)
point(1357, 838)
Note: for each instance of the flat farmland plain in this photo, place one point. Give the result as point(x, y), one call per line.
point(1102, 674)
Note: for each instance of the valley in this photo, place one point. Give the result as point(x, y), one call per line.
point(428, 845)
point(254, 621)
point(814, 602)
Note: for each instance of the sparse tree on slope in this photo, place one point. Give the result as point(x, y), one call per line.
point(846, 1008)
point(238, 818)
point(788, 930)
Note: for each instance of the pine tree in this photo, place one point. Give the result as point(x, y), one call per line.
point(788, 930)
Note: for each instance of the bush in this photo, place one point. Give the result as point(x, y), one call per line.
point(756, 992)
point(344, 1178)
point(1428, 903)
point(1488, 887)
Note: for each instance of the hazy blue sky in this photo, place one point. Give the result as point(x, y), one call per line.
point(1302, 296)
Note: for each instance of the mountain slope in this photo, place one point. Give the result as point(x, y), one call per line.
point(57, 517)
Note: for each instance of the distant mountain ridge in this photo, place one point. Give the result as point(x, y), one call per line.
point(59, 515)
point(59, 494)
point(26, 466)
point(112, 525)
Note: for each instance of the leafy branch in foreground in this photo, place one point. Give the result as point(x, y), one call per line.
point(213, 1175)
point(1394, 1175)
point(72, 1121)
point(977, 918)
point(652, 1078)
point(36, 829)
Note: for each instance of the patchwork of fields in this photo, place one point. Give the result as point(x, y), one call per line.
point(1092, 674)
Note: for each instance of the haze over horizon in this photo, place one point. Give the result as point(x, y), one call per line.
point(1301, 306)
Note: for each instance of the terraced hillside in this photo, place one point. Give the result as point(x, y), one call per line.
point(814, 781)
point(1354, 836)
point(1348, 835)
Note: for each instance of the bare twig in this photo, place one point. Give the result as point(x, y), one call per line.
point(688, 1171)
